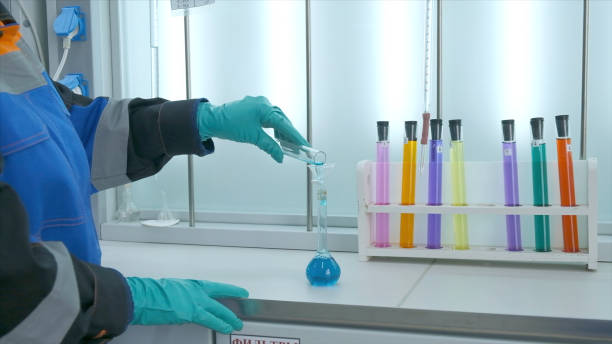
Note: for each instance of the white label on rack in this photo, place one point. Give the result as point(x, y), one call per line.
point(182, 4)
point(507, 152)
point(247, 339)
point(440, 149)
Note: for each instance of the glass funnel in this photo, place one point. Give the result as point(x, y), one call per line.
point(323, 270)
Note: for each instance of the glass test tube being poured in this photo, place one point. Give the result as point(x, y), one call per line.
point(306, 154)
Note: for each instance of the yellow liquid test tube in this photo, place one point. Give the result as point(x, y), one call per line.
point(460, 227)
point(409, 170)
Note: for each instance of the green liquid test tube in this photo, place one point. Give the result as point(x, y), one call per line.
point(540, 185)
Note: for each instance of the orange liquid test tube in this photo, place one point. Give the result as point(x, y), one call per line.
point(409, 165)
point(566, 185)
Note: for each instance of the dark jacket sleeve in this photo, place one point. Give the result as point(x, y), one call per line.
point(28, 273)
point(154, 130)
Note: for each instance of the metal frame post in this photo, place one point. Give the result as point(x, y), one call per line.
point(308, 118)
point(188, 96)
point(585, 70)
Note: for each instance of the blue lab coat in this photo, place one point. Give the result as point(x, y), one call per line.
point(59, 148)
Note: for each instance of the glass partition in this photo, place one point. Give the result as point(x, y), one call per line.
point(501, 59)
point(238, 48)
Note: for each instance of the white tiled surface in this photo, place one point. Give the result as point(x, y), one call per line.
point(526, 289)
point(500, 288)
point(268, 274)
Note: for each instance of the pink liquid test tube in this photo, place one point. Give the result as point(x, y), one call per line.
point(382, 184)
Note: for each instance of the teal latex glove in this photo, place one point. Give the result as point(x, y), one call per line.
point(244, 120)
point(180, 301)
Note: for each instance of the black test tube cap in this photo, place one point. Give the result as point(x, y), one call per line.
point(436, 128)
point(383, 130)
point(411, 130)
point(537, 128)
point(562, 122)
point(455, 129)
point(508, 129)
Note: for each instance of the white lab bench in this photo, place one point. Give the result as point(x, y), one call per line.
point(381, 301)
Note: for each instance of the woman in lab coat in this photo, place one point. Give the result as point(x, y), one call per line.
point(57, 148)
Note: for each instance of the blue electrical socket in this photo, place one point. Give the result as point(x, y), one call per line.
point(67, 20)
point(74, 80)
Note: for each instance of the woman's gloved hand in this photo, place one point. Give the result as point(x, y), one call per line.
point(244, 120)
point(180, 301)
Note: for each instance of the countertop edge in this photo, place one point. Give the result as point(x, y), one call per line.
point(537, 328)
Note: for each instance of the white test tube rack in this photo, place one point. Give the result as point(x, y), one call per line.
point(585, 172)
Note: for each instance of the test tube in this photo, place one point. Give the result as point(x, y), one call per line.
point(382, 183)
point(434, 221)
point(304, 153)
point(460, 228)
point(566, 183)
point(408, 183)
point(511, 189)
point(540, 184)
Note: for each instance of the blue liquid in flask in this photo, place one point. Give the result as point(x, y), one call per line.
point(323, 270)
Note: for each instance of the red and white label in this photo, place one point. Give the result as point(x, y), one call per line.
point(246, 339)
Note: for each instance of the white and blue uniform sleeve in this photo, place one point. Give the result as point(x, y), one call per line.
point(129, 139)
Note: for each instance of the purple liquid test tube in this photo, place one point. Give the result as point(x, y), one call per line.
point(382, 184)
point(434, 221)
point(511, 189)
